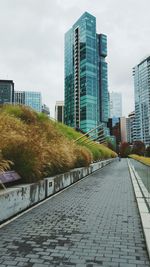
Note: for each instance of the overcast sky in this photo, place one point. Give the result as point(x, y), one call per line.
point(32, 42)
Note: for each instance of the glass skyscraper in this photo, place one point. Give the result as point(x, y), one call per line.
point(141, 74)
point(30, 99)
point(86, 89)
point(115, 105)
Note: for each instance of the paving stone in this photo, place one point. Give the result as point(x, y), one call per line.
point(42, 265)
point(10, 263)
point(94, 223)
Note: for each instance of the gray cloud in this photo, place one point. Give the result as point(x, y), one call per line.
point(32, 42)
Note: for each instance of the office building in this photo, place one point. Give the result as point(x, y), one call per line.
point(6, 91)
point(33, 100)
point(141, 74)
point(19, 97)
point(59, 111)
point(118, 129)
point(115, 105)
point(123, 129)
point(131, 129)
point(30, 99)
point(114, 129)
point(86, 88)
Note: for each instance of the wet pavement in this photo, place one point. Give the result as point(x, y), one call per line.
point(91, 224)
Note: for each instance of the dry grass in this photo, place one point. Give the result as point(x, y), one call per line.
point(39, 147)
point(141, 159)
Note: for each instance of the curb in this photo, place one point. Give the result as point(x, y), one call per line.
point(142, 205)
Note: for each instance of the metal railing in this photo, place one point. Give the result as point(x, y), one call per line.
point(98, 135)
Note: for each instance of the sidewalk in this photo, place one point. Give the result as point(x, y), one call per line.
point(91, 224)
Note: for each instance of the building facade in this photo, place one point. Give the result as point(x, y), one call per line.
point(19, 97)
point(30, 99)
point(123, 129)
point(6, 92)
point(115, 105)
point(86, 88)
point(131, 128)
point(59, 111)
point(141, 74)
point(119, 129)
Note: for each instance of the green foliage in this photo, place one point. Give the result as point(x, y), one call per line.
point(15, 111)
point(67, 131)
point(98, 151)
point(42, 117)
point(24, 113)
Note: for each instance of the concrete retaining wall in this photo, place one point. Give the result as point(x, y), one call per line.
point(19, 198)
point(16, 199)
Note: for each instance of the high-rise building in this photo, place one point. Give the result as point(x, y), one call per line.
point(30, 99)
point(86, 88)
point(123, 129)
point(59, 111)
point(118, 128)
point(131, 129)
point(103, 96)
point(6, 91)
point(141, 74)
point(115, 105)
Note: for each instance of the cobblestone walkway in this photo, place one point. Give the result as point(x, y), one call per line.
point(94, 223)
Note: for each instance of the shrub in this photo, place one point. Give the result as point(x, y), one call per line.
point(147, 151)
point(138, 148)
point(83, 157)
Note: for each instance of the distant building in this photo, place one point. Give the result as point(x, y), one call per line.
point(86, 81)
point(46, 110)
point(131, 128)
point(141, 74)
point(33, 100)
point(118, 129)
point(115, 105)
point(6, 91)
point(30, 99)
point(123, 129)
point(59, 111)
point(115, 131)
point(19, 97)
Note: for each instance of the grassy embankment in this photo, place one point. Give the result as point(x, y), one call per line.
point(36, 146)
point(141, 159)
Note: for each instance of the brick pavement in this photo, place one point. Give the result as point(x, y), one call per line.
point(94, 223)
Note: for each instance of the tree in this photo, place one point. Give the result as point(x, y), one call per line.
point(111, 143)
point(138, 148)
point(125, 149)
